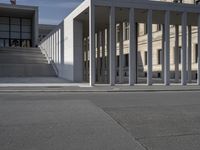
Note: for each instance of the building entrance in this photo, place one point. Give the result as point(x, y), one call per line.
point(15, 32)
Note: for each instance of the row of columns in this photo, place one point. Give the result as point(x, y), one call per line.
point(101, 48)
point(186, 51)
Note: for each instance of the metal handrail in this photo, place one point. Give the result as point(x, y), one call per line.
point(50, 60)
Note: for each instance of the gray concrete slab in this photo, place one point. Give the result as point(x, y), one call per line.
point(157, 120)
point(146, 122)
point(187, 142)
point(60, 125)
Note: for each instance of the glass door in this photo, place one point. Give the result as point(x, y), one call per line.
point(15, 43)
point(6, 42)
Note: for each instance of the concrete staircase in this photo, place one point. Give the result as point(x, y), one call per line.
point(24, 62)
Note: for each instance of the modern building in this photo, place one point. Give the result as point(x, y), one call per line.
point(19, 55)
point(108, 42)
point(18, 26)
point(101, 41)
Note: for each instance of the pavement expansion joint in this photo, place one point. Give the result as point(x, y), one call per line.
point(171, 135)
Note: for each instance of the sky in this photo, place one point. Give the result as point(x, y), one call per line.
point(50, 11)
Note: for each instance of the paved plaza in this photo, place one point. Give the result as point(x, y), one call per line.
point(100, 121)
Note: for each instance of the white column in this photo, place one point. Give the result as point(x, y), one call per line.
point(121, 54)
point(184, 48)
point(84, 59)
point(167, 49)
point(163, 52)
point(51, 47)
point(132, 47)
point(176, 53)
point(124, 31)
point(98, 56)
point(198, 71)
point(103, 56)
point(92, 42)
point(54, 47)
point(149, 47)
point(87, 60)
point(189, 59)
point(108, 55)
point(112, 39)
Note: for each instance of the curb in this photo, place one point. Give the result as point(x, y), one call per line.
point(98, 91)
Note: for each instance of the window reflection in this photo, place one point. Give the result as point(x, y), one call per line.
point(15, 32)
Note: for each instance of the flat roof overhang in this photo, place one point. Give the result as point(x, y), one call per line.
point(141, 9)
point(17, 11)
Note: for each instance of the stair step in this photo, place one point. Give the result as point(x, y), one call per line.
point(26, 70)
point(22, 55)
point(21, 51)
point(20, 48)
point(22, 60)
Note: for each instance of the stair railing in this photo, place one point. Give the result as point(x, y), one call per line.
point(50, 60)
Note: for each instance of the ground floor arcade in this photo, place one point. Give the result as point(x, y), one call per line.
point(99, 43)
point(119, 57)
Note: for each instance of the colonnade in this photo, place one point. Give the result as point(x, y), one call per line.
point(106, 44)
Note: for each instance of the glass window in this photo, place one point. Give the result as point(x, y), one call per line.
point(160, 56)
point(4, 27)
point(7, 43)
point(15, 21)
point(177, 1)
point(4, 20)
point(15, 43)
point(28, 43)
point(179, 55)
point(145, 29)
point(118, 34)
point(117, 61)
point(26, 22)
point(15, 28)
point(196, 53)
point(127, 31)
point(145, 58)
point(26, 36)
point(4, 34)
point(23, 43)
point(19, 31)
point(4, 43)
point(15, 35)
point(1, 43)
point(126, 60)
point(26, 28)
point(159, 27)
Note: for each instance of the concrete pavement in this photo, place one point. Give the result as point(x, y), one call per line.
point(72, 125)
point(154, 120)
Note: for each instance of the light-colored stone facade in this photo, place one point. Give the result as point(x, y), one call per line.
point(157, 47)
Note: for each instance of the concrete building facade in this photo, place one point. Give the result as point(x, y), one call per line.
point(103, 41)
point(18, 26)
point(20, 56)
